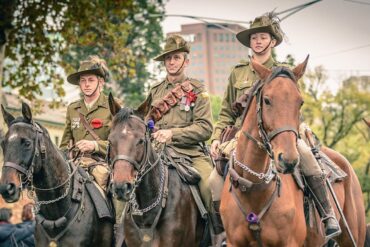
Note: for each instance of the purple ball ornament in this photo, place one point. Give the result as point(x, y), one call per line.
point(252, 218)
point(151, 124)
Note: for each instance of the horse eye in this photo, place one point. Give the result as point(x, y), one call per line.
point(302, 103)
point(27, 143)
point(267, 101)
point(140, 141)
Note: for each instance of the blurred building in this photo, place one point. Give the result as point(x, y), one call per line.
point(52, 119)
point(214, 51)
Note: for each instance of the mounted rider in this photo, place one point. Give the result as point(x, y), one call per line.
point(185, 125)
point(263, 35)
point(88, 122)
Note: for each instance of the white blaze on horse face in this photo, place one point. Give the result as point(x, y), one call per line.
point(125, 131)
point(12, 137)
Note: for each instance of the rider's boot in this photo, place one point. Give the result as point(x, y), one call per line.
point(326, 212)
point(219, 237)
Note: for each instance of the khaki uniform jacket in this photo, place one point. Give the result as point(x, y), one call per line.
point(189, 128)
point(75, 130)
point(241, 79)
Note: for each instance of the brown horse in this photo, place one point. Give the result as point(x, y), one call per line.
point(161, 210)
point(32, 160)
point(261, 207)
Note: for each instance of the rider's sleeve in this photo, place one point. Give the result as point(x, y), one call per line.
point(226, 116)
point(102, 147)
point(201, 128)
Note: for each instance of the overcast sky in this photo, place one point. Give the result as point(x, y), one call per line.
point(324, 30)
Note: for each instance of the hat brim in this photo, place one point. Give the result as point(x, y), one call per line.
point(244, 36)
point(161, 56)
point(75, 77)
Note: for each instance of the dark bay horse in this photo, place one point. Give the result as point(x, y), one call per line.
point(31, 159)
point(261, 207)
point(161, 210)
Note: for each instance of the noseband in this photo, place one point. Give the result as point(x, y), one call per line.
point(257, 91)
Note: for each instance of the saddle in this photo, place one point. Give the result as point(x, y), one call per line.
point(83, 181)
point(183, 166)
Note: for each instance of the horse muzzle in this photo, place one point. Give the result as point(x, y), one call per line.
point(123, 191)
point(10, 192)
point(286, 166)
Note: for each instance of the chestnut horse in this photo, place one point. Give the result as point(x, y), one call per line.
point(160, 208)
point(261, 207)
point(31, 159)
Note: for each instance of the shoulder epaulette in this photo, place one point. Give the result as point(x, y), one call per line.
point(156, 84)
point(242, 63)
point(74, 102)
point(196, 83)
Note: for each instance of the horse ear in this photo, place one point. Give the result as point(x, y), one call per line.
point(8, 118)
point(142, 110)
point(300, 69)
point(261, 70)
point(114, 107)
point(26, 112)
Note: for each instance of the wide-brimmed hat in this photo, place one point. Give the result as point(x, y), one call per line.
point(93, 65)
point(263, 24)
point(173, 43)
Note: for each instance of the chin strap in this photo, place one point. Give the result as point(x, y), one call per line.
point(263, 49)
point(97, 86)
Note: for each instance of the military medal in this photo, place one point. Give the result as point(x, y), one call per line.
point(187, 108)
point(191, 97)
point(182, 103)
point(75, 123)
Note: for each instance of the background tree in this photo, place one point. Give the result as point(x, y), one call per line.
point(44, 35)
point(118, 31)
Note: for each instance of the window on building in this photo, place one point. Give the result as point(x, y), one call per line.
point(199, 37)
point(226, 37)
point(56, 138)
point(215, 37)
point(221, 37)
point(232, 37)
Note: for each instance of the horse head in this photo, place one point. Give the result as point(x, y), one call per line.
point(21, 147)
point(278, 113)
point(128, 144)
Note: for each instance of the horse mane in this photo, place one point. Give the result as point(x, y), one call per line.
point(122, 116)
point(282, 70)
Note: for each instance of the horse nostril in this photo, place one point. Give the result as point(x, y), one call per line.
point(11, 188)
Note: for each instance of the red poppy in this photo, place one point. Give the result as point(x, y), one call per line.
point(96, 123)
point(190, 98)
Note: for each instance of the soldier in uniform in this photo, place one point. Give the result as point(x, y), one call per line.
point(263, 35)
point(92, 110)
point(187, 124)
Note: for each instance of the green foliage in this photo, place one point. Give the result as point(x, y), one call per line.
point(31, 61)
point(47, 35)
point(121, 33)
point(216, 106)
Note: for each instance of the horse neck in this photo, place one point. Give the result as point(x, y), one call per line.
point(247, 152)
point(53, 172)
point(149, 187)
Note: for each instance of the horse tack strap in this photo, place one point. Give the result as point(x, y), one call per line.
point(277, 131)
point(16, 166)
point(88, 127)
point(253, 219)
point(127, 158)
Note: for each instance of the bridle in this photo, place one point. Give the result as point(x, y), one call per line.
point(39, 150)
point(142, 168)
point(139, 167)
point(266, 136)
